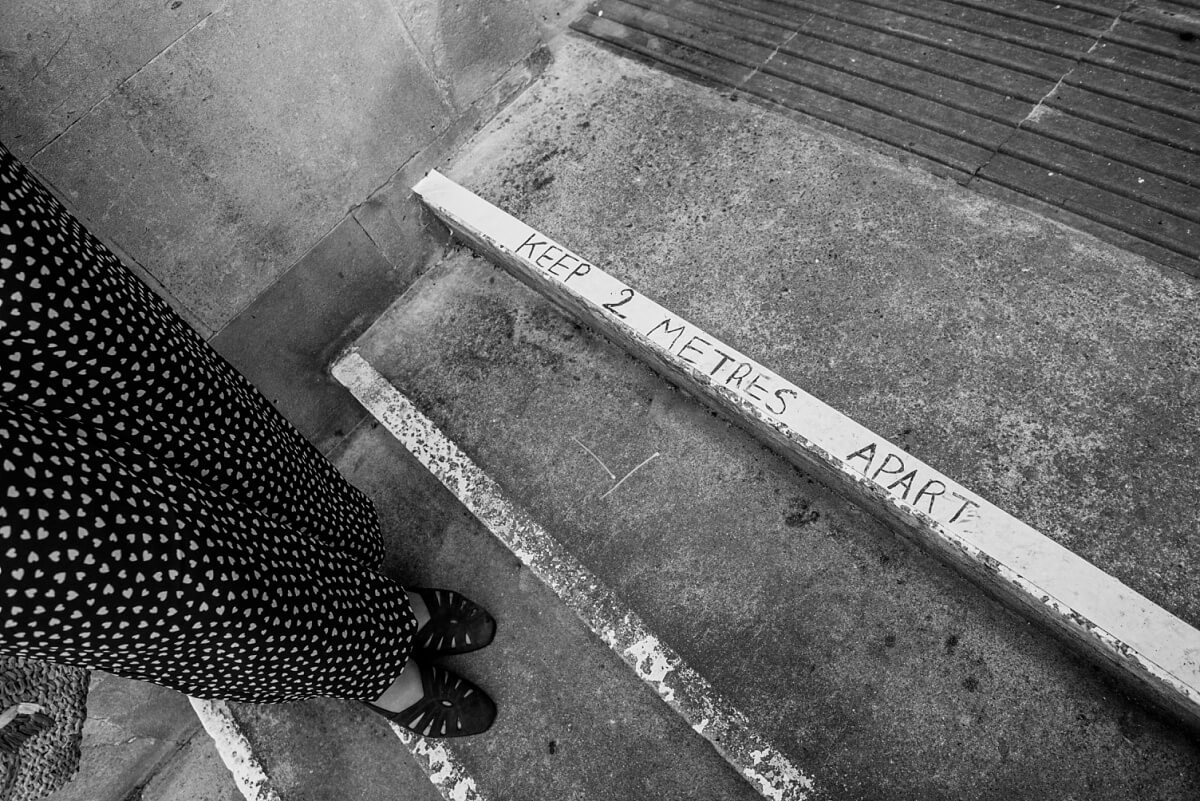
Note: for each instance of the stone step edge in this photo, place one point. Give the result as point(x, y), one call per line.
point(1125, 632)
point(688, 693)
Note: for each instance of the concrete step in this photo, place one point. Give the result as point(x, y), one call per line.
point(574, 722)
point(142, 742)
point(1039, 366)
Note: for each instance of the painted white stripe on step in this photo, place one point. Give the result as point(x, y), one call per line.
point(451, 781)
point(654, 662)
point(449, 777)
point(235, 750)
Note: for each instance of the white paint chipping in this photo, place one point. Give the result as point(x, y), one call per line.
point(773, 768)
point(235, 750)
point(445, 773)
point(686, 691)
point(652, 662)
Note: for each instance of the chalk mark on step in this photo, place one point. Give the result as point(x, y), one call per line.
point(611, 474)
point(630, 473)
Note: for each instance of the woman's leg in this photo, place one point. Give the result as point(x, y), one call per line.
point(168, 523)
point(87, 341)
point(113, 560)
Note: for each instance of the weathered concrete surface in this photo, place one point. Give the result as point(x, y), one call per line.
point(574, 721)
point(1051, 373)
point(196, 773)
point(1041, 368)
point(553, 17)
point(223, 160)
point(132, 730)
point(326, 749)
point(57, 61)
point(469, 44)
point(1106, 620)
point(393, 217)
point(283, 341)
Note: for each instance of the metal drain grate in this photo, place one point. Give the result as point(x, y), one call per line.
point(1089, 107)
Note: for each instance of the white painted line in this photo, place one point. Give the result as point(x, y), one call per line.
point(235, 750)
point(449, 777)
point(1093, 610)
point(654, 662)
point(451, 781)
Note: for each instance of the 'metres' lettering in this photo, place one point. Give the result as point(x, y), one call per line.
point(689, 345)
point(779, 397)
point(665, 325)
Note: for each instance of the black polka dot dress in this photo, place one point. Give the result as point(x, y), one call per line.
point(159, 519)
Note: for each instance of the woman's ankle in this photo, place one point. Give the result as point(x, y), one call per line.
point(405, 691)
point(419, 608)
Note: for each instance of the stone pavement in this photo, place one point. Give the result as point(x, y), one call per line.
point(1016, 352)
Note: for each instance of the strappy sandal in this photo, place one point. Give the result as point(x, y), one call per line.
point(456, 624)
point(450, 707)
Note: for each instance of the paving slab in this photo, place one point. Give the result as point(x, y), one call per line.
point(284, 339)
point(132, 730)
point(1042, 368)
point(59, 61)
point(393, 217)
point(469, 44)
point(221, 162)
point(196, 773)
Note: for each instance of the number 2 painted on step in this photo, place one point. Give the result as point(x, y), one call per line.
point(612, 307)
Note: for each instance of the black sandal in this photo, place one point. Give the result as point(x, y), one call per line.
point(451, 706)
point(456, 624)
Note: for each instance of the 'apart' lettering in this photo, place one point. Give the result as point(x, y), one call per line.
point(892, 475)
point(553, 259)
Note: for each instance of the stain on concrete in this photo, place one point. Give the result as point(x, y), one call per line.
point(466, 45)
point(801, 514)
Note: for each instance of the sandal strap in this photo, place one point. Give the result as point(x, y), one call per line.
point(450, 707)
point(456, 623)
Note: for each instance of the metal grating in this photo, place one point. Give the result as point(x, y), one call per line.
point(1091, 108)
